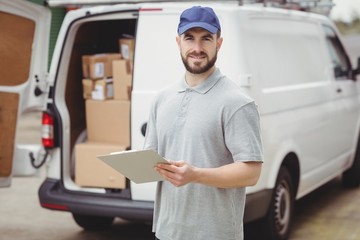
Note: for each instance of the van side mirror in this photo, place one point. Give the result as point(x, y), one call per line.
point(357, 70)
point(338, 71)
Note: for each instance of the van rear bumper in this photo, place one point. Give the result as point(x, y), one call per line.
point(54, 196)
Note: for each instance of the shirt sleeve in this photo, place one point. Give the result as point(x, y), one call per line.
point(151, 140)
point(242, 134)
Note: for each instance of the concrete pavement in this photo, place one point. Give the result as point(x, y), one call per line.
point(330, 213)
point(22, 218)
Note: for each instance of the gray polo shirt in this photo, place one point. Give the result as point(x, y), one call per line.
point(210, 125)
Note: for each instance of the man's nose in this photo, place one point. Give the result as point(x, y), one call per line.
point(197, 46)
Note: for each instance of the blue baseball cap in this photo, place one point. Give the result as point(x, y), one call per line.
point(203, 17)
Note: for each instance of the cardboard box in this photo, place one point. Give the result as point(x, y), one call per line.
point(108, 121)
point(91, 171)
point(98, 89)
point(122, 79)
point(88, 87)
point(127, 48)
point(103, 89)
point(98, 65)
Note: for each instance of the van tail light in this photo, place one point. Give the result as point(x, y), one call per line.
point(47, 135)
point(55, 206)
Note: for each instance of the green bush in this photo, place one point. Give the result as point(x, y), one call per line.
point(349, 28)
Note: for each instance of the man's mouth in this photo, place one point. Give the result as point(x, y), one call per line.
point(196, 57)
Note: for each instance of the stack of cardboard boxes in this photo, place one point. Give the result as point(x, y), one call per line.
point(107, 91)
point(97, 73)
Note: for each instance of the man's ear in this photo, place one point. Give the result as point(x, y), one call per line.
point(219, 43)
point(178, 40)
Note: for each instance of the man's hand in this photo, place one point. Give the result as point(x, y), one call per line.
point(178, 173)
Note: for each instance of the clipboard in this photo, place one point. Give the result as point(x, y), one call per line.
point(136, 165)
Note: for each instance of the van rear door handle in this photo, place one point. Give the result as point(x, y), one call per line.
point(339, 90)
point(143, 129)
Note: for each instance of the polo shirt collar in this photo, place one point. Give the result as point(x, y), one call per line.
point(203, 87)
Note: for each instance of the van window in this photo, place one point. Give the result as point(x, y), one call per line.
point(340, 61)
point(284, 53)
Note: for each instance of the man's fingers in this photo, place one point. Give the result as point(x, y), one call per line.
point(168, 175)
point(178, 163)
point(166, 167)
point(172, 172)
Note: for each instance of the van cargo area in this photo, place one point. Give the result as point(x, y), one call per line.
point(95, 38)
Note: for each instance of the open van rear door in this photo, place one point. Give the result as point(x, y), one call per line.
point(24, 41)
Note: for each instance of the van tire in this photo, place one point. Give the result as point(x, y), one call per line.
point(280, 214)
point(351, 177)
point(93, 223)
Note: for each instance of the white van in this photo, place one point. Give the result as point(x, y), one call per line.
point(292, 63)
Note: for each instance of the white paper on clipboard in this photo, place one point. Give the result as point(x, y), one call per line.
point(137, 165)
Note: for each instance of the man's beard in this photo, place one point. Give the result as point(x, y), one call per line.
point(198, 69)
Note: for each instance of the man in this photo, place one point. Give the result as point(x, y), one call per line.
point(209, 131)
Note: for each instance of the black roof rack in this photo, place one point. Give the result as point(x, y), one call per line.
point(318, 6)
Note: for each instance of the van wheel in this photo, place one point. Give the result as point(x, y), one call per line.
point(93, 223)
point(279, 218)
point(351, 177)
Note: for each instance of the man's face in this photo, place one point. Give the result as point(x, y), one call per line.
point(198, 49)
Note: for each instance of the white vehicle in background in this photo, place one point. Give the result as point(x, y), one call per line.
point(292, 63)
